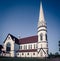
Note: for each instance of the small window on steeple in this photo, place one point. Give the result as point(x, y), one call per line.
point(46, 36)
point(41, 36)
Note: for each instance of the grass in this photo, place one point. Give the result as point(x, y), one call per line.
point(21, 59)
point(27, 59)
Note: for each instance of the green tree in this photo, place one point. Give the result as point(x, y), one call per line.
point(56, 53)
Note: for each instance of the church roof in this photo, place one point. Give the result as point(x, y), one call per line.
point(31, 39)
point(13, 38)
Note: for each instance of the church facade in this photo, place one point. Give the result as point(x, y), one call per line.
point(33, 46)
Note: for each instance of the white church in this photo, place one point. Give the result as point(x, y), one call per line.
point(33, 46)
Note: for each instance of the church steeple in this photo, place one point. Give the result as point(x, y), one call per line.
point(42, 35)
point(41, 17)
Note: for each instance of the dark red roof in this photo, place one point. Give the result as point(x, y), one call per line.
point(31, 39)
point(26, 40)
point(31, 50)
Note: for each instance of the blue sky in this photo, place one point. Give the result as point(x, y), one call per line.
point(20, 17)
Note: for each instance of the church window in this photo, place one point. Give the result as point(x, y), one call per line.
point(18, 54)
point(26, 47)
point(27, 53)
point(31, 46)
point(46, 36)
point(41, 36)
point(22, 53)
point(33, 53)
point(20, 47)
point(34, 46)
point(47, 51)
point(8, 47)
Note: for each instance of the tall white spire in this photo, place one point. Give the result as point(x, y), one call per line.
point(41, 16)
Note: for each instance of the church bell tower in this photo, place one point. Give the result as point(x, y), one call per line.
point(42, 35)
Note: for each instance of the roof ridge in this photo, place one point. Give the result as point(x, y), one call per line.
point(28, 37)
point(12, 36)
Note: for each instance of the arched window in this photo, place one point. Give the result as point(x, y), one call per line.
point(30, 46)
point(26, 47)
point(27, 53)
point(46, 36)
point(47, 51)
point(21, 47)
point(34, 46)
point(8, 47)
point(41, 36)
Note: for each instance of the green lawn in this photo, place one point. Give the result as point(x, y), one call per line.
point(21, 59)
point(28, 59)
